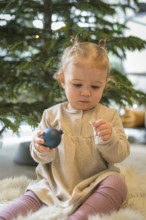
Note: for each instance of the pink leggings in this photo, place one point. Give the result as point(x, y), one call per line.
point(27, 203)
point(108, 197)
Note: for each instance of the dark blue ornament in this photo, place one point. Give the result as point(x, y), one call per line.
point(52, 137)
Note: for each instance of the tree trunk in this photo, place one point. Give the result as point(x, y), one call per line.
point(47, 14)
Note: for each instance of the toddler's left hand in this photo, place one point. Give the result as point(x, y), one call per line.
point(103, 129)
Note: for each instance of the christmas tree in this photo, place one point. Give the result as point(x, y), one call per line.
point(34, 34)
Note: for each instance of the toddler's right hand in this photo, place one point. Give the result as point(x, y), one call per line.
point(38, 141)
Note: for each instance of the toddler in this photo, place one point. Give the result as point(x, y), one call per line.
point(79, 174)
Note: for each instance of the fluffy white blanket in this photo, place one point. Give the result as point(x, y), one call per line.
point(134, 207)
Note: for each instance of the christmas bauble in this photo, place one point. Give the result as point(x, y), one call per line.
point(52, 137)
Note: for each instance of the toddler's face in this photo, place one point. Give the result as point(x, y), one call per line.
point(84, 85)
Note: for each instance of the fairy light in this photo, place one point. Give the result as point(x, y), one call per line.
point(37, 36)
point(135, 106)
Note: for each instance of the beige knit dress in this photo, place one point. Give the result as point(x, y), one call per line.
point(68, 175)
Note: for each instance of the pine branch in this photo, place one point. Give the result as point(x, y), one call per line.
point(30, 55)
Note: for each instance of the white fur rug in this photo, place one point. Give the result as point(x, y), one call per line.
point(134, 207)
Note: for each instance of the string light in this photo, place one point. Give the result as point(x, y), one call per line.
point(37, 36)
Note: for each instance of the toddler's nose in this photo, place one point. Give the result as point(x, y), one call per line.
point(85, 93)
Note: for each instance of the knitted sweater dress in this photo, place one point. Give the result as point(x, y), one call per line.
point(68, 174)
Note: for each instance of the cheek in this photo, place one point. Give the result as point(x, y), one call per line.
point(98, 95)
point(70, 92)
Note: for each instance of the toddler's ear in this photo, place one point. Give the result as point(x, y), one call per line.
point(62, 79)
point(107, 83)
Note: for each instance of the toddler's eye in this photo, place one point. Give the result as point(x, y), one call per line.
point(77, 85)
point(95, 87)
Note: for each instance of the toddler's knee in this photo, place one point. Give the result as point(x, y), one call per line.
point(121, 187)
point(115, 187)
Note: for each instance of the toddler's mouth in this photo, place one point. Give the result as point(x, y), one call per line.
point(84, 101)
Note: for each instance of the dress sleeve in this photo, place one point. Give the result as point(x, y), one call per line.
point(117, 148)
point(42, 158)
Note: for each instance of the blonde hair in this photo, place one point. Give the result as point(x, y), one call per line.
point(84, 51)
